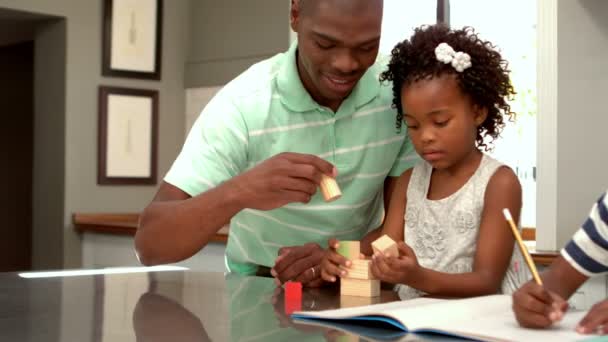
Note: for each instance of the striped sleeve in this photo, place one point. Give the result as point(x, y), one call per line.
point(588, 249)
point(215, 149)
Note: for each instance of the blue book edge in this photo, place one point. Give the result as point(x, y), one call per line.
point(388, 328)
point(386, 322)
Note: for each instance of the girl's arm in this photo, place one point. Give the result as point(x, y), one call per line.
point(495, 245)
point(395, 190)
point(333, 264)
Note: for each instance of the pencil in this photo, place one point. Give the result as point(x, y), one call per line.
point(522, 247)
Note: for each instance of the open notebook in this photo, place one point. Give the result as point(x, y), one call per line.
point(487, 318)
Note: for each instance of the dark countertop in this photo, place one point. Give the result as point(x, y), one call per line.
point(157, 306)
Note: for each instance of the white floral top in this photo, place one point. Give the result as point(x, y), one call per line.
point(443, 233)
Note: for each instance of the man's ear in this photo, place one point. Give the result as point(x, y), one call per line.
point(481, 113)
point(294, 15)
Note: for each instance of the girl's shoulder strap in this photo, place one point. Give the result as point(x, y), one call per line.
point(419, 182)
point(487, 168)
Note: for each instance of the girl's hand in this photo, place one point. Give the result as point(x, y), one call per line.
point(396, 270)
point(333, 264)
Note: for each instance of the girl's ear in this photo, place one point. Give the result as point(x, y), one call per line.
point(481, 113)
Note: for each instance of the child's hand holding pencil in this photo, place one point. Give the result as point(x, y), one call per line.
point(534, 306)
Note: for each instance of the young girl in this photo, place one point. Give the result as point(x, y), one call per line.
point(451, 90)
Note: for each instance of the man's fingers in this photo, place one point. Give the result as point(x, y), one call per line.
point(299, 185)
point(307, 172)
point(292, 196)
point(333, 271)
point(333, 243)
point(321, 164)
point(294, 254)
point(299, 268)
point(315, 283)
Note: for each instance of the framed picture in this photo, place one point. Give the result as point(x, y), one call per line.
point(132, 38)
point(127, 136)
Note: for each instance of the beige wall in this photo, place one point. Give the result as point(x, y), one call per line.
point(82, 76)
point(230, 35)
point(573, 116)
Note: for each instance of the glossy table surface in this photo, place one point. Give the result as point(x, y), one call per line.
point(161, 306)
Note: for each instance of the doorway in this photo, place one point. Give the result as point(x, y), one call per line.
point(16, 151)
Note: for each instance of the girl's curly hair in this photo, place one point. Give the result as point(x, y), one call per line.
point(486, 81)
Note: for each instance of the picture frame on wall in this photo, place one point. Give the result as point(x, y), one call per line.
point(132, 38)
point(127, 136)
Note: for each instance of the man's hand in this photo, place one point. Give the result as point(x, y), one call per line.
point(282, 179)
point(535, 307)
point(403, 269)
point(299, 263)
point(596, 320)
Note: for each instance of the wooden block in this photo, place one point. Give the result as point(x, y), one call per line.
point(354, 301)
point(330, 189)
point(386, 245)
point(350, 249)
point(359, 287)
point(360, 269)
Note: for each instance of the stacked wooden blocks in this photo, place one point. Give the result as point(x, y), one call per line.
point(359, 281)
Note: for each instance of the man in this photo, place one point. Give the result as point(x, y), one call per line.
point(255, 156)
point(584, 256)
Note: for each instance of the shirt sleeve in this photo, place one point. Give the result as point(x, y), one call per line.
point(588, 250)
point(406, 159)
point(215, 149)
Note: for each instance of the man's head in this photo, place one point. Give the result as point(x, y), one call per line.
point(338, 41)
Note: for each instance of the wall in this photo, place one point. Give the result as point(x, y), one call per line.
point(82, 75)
point(16, 27)
point(572, 120)
point(230, 35)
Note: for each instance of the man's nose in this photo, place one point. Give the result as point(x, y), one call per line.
point(345, 62)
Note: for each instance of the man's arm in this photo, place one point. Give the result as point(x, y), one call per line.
point(175, 226)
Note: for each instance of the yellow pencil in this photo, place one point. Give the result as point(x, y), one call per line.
point(522, 247)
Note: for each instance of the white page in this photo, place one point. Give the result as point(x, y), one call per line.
point(488, 316)
point(506, 327)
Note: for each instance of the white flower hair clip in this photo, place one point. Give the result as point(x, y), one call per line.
point(459, 60)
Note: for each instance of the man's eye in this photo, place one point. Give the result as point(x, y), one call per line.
point(324, 46)
point(368, 48)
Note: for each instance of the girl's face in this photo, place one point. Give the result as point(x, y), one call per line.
point(442, 121)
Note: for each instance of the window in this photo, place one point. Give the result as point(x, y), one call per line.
point(401, 17)
point(511, 26)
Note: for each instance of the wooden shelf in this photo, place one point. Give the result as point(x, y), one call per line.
point(126, 224)
point(120, 224)
point(544, 258)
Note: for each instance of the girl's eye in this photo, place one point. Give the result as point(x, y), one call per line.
point(442, 123)
point(411, 126)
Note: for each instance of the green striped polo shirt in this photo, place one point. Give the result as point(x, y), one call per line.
point(265, 111)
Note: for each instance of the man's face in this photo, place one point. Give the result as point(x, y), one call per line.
point(338, 41)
